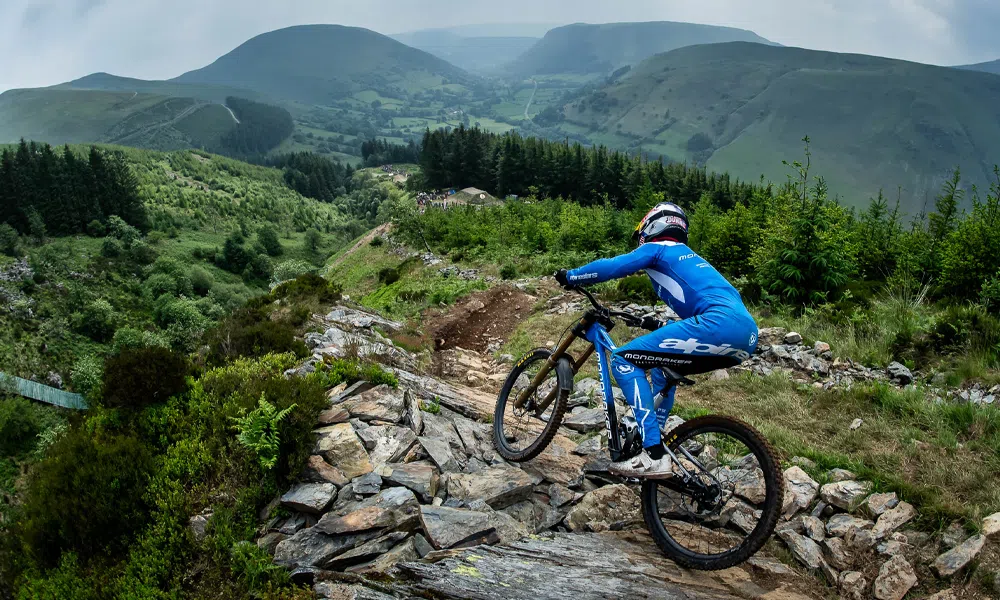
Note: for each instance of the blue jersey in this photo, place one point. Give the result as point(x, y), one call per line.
point(685, 281)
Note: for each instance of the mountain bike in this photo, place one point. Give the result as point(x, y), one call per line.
point(722, 503)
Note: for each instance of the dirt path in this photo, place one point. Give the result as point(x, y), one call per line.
point(380, 230)
point(231, 113)
point(480, 319)
point(531, 99)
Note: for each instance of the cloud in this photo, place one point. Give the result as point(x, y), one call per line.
point(48, 42)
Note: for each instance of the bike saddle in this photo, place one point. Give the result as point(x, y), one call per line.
point(675, 378)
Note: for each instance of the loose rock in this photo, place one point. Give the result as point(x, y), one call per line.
point(853, 585)
point(309, 497)
point(876, 504)
point(456, 527)
point(602, 508)
point(800, 491)
point(421, 477)
point(499, 486)
point(805, 550)
point(895, 579)
point(893, 518)
point(836, 475)
point(841, 523)
point(991, 526)
point(958, 557)
point(844, 494)
point(339, 445)
point(898, 373)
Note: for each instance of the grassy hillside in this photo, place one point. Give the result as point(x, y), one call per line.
point(477, 54)
point(114, 83)
point(319, 64)
point(195, 202)
point(875, 123)
point(992, 66)
point(583, 49)
point(68, 116)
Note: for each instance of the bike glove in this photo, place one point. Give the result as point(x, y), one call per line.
point(650, 324)
point(562, 278)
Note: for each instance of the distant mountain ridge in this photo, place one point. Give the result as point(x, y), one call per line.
point(992, 66)
point(318, 64)
point(477, 54)
point(583, 48)
point(875, 123)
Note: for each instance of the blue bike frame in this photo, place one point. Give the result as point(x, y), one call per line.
point(597, 335)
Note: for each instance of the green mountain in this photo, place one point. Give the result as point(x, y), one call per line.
point(114, 83)
point(596, 49)
point(321, 64)
point(478, 54)
point(992, 66)
point(61, 116)
point(875, 123)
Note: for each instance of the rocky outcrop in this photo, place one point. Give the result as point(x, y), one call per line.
point(422, 500)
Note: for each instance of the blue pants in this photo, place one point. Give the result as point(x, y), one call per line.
point(714, 340)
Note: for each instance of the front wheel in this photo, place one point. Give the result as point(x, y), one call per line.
point(730, 506)
point(520, 434)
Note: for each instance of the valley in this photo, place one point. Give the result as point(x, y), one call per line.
point(285, 291)
point(725, 98)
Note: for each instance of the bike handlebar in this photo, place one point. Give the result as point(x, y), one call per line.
point(630, 319)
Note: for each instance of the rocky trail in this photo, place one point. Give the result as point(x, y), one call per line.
point(404, 496)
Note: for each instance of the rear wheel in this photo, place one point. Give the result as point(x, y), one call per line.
point(731, 506)
point(520, 434)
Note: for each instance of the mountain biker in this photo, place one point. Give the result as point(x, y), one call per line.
point(715, 331)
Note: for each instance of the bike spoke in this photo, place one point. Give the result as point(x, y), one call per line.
point(522, 426)
point(721, 504)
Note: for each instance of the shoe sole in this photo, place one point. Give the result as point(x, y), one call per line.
point(641, 475)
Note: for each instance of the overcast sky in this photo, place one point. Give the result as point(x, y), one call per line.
point(44, 42)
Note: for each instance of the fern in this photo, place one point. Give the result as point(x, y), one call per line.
point(259, 431)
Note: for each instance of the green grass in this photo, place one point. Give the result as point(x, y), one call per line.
point(943, 457)
point(754, 103)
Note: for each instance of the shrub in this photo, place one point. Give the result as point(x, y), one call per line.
point(201, 281)
point(290, 269)
point(258, 268)
point(111, 248)
point(376, 242)
point(308, 285)
point(230, 296)
point(268, 239)
point(9, 240)
point(97, 320)
point(235, 257)
point(119, 229)
point(637, 288)
point(86, 497)
point(130, 338)
point(388, 276)
point(141, 253)
point(21, 422)
point(508, 272)
point(159, 284)
point(96, 229)
point(66, 581)
point(142, 377)
point(87, 373)
point(312, 240)
point(258, 338)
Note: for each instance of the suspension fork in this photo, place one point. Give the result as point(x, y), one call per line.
point(550, 364)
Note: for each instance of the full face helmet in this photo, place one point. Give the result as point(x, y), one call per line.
point(666, 222)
